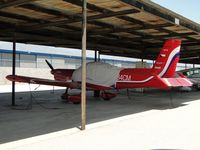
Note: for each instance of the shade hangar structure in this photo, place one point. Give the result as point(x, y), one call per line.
point(132, 28)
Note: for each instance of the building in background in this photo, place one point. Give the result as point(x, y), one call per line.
point(37, 60)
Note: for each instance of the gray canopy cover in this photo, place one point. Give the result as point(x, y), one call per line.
point(98, 73)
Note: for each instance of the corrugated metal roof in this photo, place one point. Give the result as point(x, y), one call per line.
point(133, 28)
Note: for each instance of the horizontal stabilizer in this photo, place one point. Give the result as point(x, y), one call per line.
point(177, 82)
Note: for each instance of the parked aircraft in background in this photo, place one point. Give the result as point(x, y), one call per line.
point(194, 75)
point(103, 77)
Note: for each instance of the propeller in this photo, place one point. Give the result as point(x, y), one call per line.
point(50, 66)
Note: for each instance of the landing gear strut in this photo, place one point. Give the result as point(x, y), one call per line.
point(107, 95)
point(75, 99)
point(97, 93)
point(65, 95)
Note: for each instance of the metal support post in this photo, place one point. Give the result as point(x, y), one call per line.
point(13, 69)
point(142, 63)
point(99, 56)
point(95, 55)
point(96, 92)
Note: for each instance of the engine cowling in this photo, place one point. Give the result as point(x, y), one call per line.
point(62, 74)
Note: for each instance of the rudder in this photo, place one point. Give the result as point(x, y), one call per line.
point(166, 62)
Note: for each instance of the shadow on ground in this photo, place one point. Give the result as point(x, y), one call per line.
point(47, 113)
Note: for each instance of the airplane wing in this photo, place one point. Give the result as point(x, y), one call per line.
point(71, 85)
point(32, 80)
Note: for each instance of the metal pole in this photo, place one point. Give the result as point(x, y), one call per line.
point(142, 63)
point(83, 85)
point(96, 92)
point(95, 55)
point(13, 69)
point(99, 56)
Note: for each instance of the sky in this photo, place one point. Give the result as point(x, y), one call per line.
point(187, 8)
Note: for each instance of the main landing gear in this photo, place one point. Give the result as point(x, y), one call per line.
point(107, 95)
point(76, 99)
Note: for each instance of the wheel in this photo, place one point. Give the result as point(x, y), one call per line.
point(75, 99)
point(108, 96)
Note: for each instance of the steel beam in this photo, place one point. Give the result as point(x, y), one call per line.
point(157, 11)
point(77, 19)
point(13, 3)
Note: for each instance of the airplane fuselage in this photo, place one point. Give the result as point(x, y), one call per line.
point(131, 78)
point(126, 78)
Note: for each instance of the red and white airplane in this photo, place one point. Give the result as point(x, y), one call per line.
point(102, 77)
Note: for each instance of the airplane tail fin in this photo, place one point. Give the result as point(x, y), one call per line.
point(165, 64)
